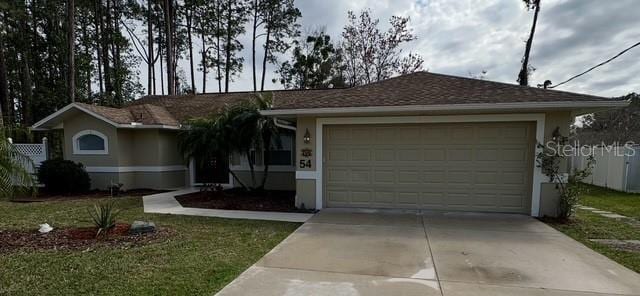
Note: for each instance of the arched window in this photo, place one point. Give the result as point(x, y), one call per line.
point(90, 142)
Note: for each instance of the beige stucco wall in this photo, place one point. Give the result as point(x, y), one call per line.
point(275, 180)
point(139, 180)
point(549, 198)
point(306, 194)
point(130, 149)
point(148, 147)
point(83, 122)
point(306, 188)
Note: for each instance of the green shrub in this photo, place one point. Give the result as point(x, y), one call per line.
point(104, 217)
point(63, 177)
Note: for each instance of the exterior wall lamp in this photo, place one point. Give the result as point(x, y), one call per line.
point(307, 137)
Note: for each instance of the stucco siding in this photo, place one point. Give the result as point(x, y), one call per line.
point(131, 155)
point(138, 180)
point(159, 180)
point(306, 194)
point(168, 152)
point(102, 181)
point(275, 180)
point(83, 122)
point(549, 198)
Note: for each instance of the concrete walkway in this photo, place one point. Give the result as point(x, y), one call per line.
point(452, 254)
point(165, 203)
point(602, 213)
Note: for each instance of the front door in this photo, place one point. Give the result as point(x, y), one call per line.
point(212, 170)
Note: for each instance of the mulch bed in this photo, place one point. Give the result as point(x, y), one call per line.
point(77, 239)
point(44, 196)
point(237, 199)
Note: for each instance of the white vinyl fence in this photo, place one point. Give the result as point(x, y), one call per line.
point(615, 167)
point(36, 152)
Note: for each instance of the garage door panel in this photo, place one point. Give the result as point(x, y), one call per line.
point(469, 167)
point(458, 154)
point(435, 154)
point(409, 198)
point(434, 177)
point(409, 177)
point(384, 197)
point(384, 176)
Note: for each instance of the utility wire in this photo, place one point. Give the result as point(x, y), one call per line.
point(596, 66)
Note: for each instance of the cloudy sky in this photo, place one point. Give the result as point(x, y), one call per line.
point(460, 37)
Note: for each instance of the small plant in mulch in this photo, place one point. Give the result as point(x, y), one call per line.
point(106, 232)
point(104, 216)
point(79, 238)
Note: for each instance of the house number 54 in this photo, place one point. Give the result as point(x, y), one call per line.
point(305, 163)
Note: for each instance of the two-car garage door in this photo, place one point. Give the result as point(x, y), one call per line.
point(452, 166)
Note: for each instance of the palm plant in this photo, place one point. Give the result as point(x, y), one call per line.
point(13, 169)
point(238, 128)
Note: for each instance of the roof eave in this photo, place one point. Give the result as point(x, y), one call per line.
point(40, 125)
point(578, 107)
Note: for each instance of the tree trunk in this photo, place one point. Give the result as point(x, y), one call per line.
point(174, 70)
point(106, 44)
point(89, 73)
point(264, 59)
point(150, 65)
point(227, 67)
point(168, 12)
point(251, 169)
point(265, 160)
point(218, 39)
point(235, 177)
point(26, 82)
point(160, 33)
point(98, 24)
point(189, 24)
point(253, 42)
point(4, 87)
point(27, 92)
point(204, 60)
point(71, 38)
point(523, 76)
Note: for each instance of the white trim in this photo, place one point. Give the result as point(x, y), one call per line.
point(76, 145)
point(65, 109)
point(306, 175)
point(136, 125)
point(449, 107)
point(135, 169)
point(538, 118)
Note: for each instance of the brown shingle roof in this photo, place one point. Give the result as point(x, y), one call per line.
point(420, 88)
point(185, 107)
point(152, 114)
point(142, 113)
point(114, 114)
point(424, 88)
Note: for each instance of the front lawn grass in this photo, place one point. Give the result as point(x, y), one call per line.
point(622, 203)
point(202, 257)
point(587, 225)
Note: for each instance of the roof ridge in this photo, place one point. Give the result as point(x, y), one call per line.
point(510, 84)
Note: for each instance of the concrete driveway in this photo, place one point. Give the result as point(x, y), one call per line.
point(340, 252)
